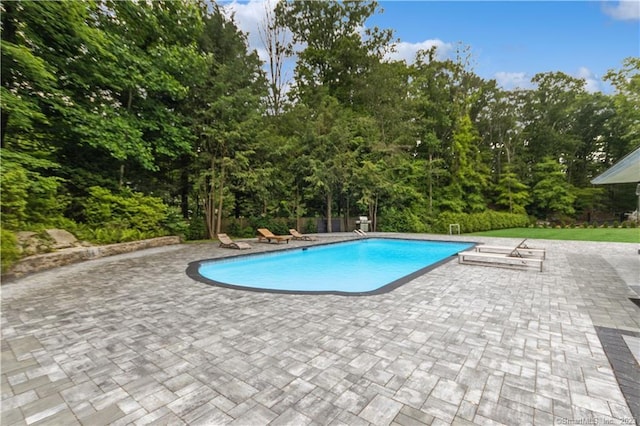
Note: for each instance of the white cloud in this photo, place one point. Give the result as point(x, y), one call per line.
point(249, 17)
point(520, 80)
point(625, 10)
point(513, 80)
point(405, 51)
point(592, 82)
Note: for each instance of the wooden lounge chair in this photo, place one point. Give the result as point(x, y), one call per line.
point(511, 259)
point(522, 249)
point(298, 236)
point(227, 242)
point(265, 234)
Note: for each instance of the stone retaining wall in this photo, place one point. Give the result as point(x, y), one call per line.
point(40, 262)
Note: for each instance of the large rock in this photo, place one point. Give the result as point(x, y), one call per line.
point(62, 239)
point(30, 243)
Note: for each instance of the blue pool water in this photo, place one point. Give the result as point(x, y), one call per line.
point(362, 266)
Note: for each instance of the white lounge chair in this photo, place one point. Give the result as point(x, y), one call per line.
point(522, 249)
point(508, 258)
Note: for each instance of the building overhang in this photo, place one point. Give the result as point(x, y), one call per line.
point(626, 170)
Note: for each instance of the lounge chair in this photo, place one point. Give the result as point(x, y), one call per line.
point(227, 242)
point(522, 250)
point(473, 257)
point(510, 257)
point(265, 234)
point(298, 236)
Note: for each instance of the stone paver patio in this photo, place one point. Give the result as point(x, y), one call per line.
point(131, 339)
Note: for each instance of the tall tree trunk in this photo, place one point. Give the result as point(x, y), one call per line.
point(4, 116)
point(121, 173)
point(210, 202)
point(184, 188)
point(220, 200)
point(329, 227)
point(430, 174)
point(346, 214)
point(297, 209)
point(129, 103)
point(375, 215)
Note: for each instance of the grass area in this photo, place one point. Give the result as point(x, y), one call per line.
point(617, 235)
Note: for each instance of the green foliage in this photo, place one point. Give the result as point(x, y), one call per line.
point(277, 226)
point(125, 211)
point(484, 221)
point(512, 194)
point(8, 248)
point(111, 234)
point(589, 199)
point(45, 200)
point(174, 223)
point(28, 197)
point(174, 109)
point(197, 228)
point(310, 227)
point(14, 188)
point(552, 193)
point(396, 220)
point(237, 230)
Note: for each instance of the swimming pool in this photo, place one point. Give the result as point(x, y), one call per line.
point(369, 266)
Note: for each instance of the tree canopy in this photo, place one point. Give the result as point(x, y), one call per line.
point(164, 102)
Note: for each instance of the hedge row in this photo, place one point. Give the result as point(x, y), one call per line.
point(485, 221)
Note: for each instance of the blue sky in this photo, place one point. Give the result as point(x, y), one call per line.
point(510, 41)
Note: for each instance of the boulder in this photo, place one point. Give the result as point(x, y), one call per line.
point(62, 239)
point(30, 243)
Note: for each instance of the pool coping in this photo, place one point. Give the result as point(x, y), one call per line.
point(192, 270)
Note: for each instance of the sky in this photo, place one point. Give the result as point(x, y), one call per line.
point(509, 41)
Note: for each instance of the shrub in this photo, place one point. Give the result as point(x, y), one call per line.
point(310, 227)
point(174, 223)
point(8, 249)
point(29, 198)
point(396, 220)
point(278, 227)
point(127, 210)
point(236, 229)
point(14, 187)
point(485, 221)
point(197, 229)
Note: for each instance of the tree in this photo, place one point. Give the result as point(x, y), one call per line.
point(512, 193)
point(549, 116)
point(469, 170)
point(552, 194)
point(326, 142)
point(35, 38)
point(627, 98)
point(335, 55)
point(226, 114)
point(275, 40)
point(27, 80)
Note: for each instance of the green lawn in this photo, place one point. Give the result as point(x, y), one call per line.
point(619, 235)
